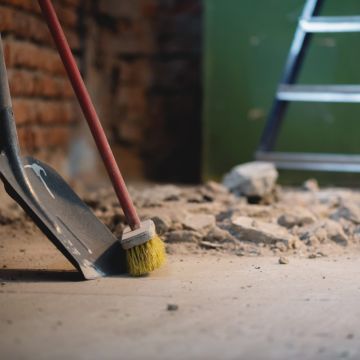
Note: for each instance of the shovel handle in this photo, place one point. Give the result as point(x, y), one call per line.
point(5, 99)
point(9, 143)
point(90, 114)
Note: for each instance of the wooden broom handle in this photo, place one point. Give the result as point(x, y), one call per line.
point(90, 113)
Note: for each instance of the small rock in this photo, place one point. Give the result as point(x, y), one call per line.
point(283, 260)
point(312, 256)
point(321, 254)
point(311, 185)
point(196, 198)
point(179, 236)
point(156, 195)
point(216, 188)
point(322, 231)
point(162, 223)
point(208, 193)
point(172, 307)
point(209, 245)
point(329, 198)
point(219, 235)
point(198, 222)
point(297, 244)
point(335, 232)
point(349, 212)
point(296, 217)
point(263, 211)
point(253, 179)
point(281, 246)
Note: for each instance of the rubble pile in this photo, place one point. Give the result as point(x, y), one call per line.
point(248, 214)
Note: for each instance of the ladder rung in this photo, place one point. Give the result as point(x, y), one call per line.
point(325, 24)
point(312, 161)
point(319, 93)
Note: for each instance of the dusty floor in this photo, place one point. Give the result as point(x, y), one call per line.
point(222, 294)
point(225, 307)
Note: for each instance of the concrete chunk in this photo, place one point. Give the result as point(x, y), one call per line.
point(252, 179)
point(248, 229)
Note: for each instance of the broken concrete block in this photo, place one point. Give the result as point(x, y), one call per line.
point(297, 216)
point(252, 179)
point(248, 229)
point(198, 222)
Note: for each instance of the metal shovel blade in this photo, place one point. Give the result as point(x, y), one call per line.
point(54, 207)
point(62, 216)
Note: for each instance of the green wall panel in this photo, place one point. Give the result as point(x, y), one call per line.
point(246, 44)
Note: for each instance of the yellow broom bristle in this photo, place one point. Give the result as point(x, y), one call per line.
point(146, 257)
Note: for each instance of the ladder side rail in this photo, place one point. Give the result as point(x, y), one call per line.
point(292, 67)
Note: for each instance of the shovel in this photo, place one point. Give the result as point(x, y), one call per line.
point(54, 207)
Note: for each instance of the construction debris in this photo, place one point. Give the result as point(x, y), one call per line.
point(210, 218)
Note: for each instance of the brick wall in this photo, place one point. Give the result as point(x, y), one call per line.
point(42, 98)
point(144, 70)
point(141, 62)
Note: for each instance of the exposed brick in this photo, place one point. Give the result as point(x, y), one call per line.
point(43, 99)
point(29, 83)
point(134, 99)
point(142, 64)
point(34, 137)
point(37, 111)
point(30, 56)
point(64, 9)
point(129, 9)
point(66, 15)
point(23, 24)
point(136, 72)
point(29, 5)
point(135, 38)
point(29, 26)
point(130, 132)
point(72, 3)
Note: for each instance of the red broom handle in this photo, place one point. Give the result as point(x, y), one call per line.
point(90, 113)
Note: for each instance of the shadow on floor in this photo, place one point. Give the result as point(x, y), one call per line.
point(25, 275)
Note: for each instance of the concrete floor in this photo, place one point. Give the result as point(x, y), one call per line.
point(228, 308)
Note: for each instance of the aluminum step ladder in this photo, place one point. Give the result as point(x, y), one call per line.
point(288, 91)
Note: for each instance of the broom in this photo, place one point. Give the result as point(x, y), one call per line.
point(145, 251)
